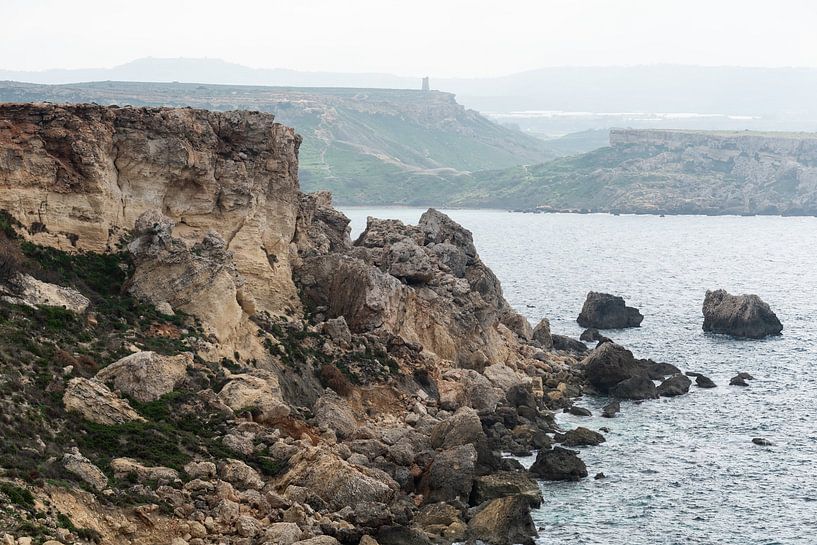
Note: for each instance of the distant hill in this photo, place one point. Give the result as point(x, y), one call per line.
point(368, 146)
point(664, 171)
point(547, 101)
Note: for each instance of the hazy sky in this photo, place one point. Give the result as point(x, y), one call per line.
point(409, 37)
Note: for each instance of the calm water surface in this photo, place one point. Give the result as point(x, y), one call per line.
point(679, 470)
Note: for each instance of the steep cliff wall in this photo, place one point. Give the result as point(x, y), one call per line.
point(78, 176)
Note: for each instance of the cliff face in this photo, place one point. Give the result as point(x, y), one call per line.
point(77, 177)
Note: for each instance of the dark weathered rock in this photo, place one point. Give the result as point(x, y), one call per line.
point(637, 387)
point(504, 521)
point(610, 410)
point(745, 376)
point(674, 386)
point(739, 315)
point(579, 411)
point(591, 334)
point(401, 535)
point(506, 483)
point(608, 365)
point(567, 344)
point(559, 464)
point(704, 382)
point(738, 381)
point(605, 311)
point(762, 442)
point(657, 370)
point(581, 437)
point(451, 475)
point(461, 428)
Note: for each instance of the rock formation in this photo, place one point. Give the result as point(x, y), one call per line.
point(739, 315)
point(605, 311)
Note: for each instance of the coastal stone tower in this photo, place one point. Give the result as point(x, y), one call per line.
point(425, 84)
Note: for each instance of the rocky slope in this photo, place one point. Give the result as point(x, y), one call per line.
point(666, 171)
point(193, 351)
point(367, 146)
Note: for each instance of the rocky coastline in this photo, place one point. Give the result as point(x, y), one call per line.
point(198, 353)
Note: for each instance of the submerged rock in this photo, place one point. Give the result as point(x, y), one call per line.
point(674, 386)
point(610, 410)
point(739, 315)
point(605, 311)
point(580, 437)
point(559, 464)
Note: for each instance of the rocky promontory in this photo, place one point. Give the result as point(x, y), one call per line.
point(201, 354)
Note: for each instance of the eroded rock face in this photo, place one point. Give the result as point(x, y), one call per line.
point(258, 390)
point(24, 289)
point(424, 283)
point(605, 311)
point(78, 177)
point(739, 315)
point(504, 521)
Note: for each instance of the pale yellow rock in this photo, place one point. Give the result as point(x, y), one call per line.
point(146, 376)
point(95, 402)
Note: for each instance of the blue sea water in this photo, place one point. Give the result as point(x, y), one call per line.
point(680, 470)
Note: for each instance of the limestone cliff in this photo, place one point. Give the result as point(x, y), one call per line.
point(78, 176)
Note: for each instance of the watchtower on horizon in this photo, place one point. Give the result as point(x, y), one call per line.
point(425, 84)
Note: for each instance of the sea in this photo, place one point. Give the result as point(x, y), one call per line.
point(677, 470)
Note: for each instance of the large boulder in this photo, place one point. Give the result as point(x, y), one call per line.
point(608, 365)
point(82, 467)
point(506, 483)
point(558, 464)
point(258, 390)
point(541, 334)
point(461, 428)
point(638, 387)
point(568, 344)
point(97, 403)
point(451, 475)
point(146, 376)
point(24, 289)
point(739, 315)
point(605, 311)
point(333, 412)
point(581, 436)
point(504, 521)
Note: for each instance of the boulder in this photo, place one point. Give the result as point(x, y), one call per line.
point(610, 410)
point(567, 344)
point(608, 365)
point(591, 334)
point(95, 402)
point(450, 475)
point(575, 410)
point(407, 261)
point(738, 381)
point(657, 370)
point(124, 467)
point(704, 382)
point(506, 483)
point(440, 519)
point(282, 533)
point(605, 311)
point(638, 387)
point(518, 324)
point(241, 475)
point(468, 388)
point(541, 334)
point(461, 428)
point(761, 442)
point(401, 535)
point(318, 540)
point(580, 436)
point(559, 464)
point(146, 376)
point(82, 467)
point(24, 289)
point(739, 315)
point(333, 412)
point(503, 521)
point(257, 390)
point(337, 482)
point(337, 330)
point(674, 386)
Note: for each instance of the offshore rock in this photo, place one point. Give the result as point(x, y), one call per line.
point(739, 315)
point(608, 365)
point(674, 386)
point(605, 311)
point(637, 387)
point(559, 464)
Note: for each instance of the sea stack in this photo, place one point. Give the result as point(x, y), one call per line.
point(746, 316)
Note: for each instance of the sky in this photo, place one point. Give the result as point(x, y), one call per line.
point(441, 38)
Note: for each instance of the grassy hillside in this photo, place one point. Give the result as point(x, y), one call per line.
point(368, 146)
